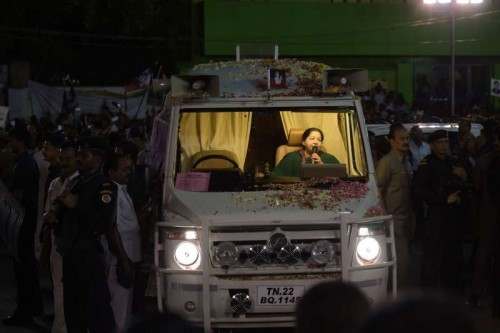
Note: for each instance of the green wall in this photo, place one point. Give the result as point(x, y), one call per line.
point(350, 29)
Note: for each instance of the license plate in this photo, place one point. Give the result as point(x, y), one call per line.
point(279, 295)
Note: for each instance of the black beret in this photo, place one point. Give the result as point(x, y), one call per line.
point(436, 135)
point(97, 145)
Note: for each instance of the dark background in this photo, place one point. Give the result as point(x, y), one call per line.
point(98, 42)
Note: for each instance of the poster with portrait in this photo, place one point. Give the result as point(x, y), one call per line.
point(495, 87)
point(277, 78)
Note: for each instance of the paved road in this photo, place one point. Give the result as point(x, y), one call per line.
point(43, 324)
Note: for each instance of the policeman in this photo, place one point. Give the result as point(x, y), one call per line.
point(435, 183)
point(87, 211)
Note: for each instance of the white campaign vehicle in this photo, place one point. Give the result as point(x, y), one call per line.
point(238, 248)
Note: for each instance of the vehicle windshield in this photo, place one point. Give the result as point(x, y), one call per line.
point(243, 149)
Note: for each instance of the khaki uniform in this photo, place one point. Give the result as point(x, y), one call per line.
point(394, 175)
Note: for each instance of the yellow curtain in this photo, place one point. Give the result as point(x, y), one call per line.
point(351, 134)
point(202, 131)
point(328, 122)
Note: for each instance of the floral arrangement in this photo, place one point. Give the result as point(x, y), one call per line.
point(374, 211)
point(304, 78)
point(306, 195)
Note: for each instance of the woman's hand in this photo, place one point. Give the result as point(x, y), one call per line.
point(316, 159)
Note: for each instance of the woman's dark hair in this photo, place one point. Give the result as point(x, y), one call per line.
point(312, 129)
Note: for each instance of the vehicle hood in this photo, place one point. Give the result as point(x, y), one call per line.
point(353, 198)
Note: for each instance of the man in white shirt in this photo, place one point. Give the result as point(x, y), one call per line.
point(118, 169)
point(67, 163)
point(418, 147)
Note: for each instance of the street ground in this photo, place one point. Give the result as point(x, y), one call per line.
point(488, 324)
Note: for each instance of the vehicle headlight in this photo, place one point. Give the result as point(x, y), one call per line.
point(186, 254)
point(322, 252)
point(289, 254)
point(226, 254)
point(368, 251)
point(258, 255)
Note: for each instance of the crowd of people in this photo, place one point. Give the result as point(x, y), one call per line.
point(445, 198)
point(92, 171)
point(387, 106)
point(89, 171)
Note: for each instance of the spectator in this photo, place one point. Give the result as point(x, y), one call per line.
point(331, 306)
point(7, 157)
point(418, 147)
point(487, 184)
point(418, 314)
point(118, 169)
point(69, 173)
point(486, 141)
point(376, 154)
point(51, 150)
point(24, 187)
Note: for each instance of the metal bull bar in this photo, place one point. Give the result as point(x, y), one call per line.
point(349, 231)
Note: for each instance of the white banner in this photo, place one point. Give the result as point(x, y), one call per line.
point(46, 99)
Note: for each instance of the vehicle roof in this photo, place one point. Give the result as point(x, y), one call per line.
point(427, 128)
point(249, 77)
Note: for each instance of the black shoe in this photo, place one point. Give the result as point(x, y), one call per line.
point(17, 320)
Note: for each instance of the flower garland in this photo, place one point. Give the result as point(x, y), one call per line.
point(305, 77)
point(306, 196)
point(374, 211)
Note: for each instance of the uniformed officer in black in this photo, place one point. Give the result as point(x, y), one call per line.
point(87, 211)
point(435, 184)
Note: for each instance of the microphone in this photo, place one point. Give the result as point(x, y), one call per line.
point(315, 150)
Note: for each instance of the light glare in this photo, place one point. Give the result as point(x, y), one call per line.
point(191, 235)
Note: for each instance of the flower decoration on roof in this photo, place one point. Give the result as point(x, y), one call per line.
point(248, 78)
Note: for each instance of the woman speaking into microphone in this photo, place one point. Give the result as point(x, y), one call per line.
point(310, 153)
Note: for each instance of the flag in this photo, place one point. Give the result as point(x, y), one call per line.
point(140, 82)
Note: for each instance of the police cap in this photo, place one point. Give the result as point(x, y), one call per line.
point(94, 144)
point(436, 135)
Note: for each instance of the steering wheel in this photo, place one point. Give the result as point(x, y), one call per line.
point(220, 157)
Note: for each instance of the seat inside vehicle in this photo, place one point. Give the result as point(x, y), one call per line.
point(225, 174)
point(214, 159)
